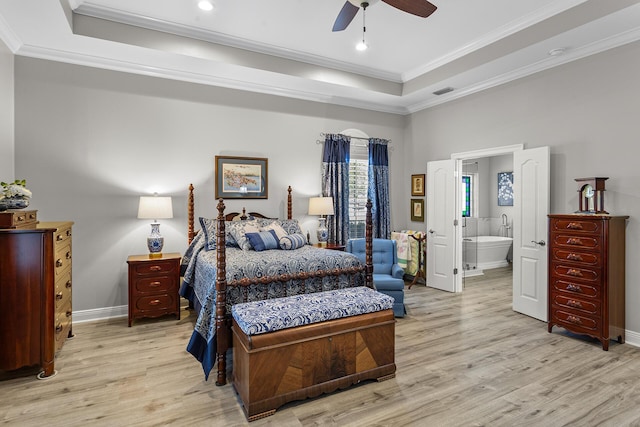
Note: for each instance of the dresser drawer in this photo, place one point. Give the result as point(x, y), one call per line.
point(18, 219)
point(157, 303)
point(574, 288)
point(62, 236)
point(157, 285)
point(574, 241)
point(62, 299)
point(156, 268)
point(575, 322)
point(570, 256)
point(64, 282)
point(62, 259)
point(576, 226)
point(575, 272)
point(576, 305)
point(63, 327)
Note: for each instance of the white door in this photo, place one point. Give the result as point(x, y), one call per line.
point(441, 208)
point(531, 206)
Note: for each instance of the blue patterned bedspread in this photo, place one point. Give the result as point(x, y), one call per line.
point(199, 273)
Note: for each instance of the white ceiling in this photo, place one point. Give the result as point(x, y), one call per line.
point(287, 48)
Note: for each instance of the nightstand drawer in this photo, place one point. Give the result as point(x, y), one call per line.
point(156, 303)
point(154, 284)
point(154, 268)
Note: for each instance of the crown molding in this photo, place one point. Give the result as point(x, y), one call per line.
point(8, 36)
point(492, 37)
point(169, 27)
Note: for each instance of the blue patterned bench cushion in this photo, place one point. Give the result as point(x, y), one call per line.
point(260, 317)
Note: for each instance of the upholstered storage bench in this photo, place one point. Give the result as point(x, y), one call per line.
point(292, 348)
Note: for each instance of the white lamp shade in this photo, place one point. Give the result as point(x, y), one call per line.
point(155, 207)
point(321, 206)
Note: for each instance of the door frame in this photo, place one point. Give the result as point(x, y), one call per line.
point(459, 157)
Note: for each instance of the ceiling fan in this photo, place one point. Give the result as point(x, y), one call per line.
point(420, 8)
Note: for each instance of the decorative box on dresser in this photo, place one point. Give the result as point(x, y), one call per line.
point(35, 292)
point(587, 275)
point(154, 284)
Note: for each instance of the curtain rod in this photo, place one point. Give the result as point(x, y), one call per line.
point(319, 141)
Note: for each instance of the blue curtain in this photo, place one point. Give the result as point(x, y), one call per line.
point(378, 190)
point(335, 183)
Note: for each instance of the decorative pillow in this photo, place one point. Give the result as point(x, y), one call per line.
point(277, 228)
point(209, 228)
point(291, 226)
point(293, 241)
point(239, 229)
point(263, 240)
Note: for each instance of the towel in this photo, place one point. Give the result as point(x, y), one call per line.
point(403, 248)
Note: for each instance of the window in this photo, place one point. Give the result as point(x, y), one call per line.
point(358, 183)
point(467, 196)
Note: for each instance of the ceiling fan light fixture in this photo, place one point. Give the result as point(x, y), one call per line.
point(361, 46)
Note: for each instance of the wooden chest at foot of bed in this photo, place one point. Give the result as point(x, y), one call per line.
point(272, 369)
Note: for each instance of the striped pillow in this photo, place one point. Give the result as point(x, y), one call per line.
point(293, 241)
point(263, 240)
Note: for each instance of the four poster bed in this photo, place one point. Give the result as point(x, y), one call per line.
point(224, 266)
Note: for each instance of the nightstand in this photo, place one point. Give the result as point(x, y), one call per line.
point(153, 286)
point(332, 246)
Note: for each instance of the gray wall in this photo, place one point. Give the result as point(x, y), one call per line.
point(6, 114)
point(90, 142)
point(585, 111)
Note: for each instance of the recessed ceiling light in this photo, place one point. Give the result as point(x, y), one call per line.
point(205, 5)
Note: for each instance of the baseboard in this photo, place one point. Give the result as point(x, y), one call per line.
point(81, 316)
point(632, 338)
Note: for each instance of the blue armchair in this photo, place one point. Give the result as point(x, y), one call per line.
point(387, 274)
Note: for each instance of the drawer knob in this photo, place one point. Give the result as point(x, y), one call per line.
point(574, 272)
point(59, 263)
point(59, 296)
point(32, 216)
point(68, 313)
point(574, 303)
point(154, 284)
point(20, 218)
point(155, 268)
point(68, 255)
point(574, 257)
point(58, 328)
point(574, 226)
point(68, 233)
point(58, 237)
point(574, 319)
point(68, 284)
point(154, 302)
point(574, 241)
point(573, 288)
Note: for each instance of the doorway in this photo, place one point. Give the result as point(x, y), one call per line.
point(530, 224)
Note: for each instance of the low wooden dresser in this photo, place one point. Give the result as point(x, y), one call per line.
point(587, 275)
point(153, 286)
point(35, 294)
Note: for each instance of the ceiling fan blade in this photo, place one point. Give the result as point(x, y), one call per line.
point(345, 16)
point(420, 8)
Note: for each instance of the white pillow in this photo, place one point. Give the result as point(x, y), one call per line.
point(277, 228)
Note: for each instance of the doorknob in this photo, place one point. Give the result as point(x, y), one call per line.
point(541, 242)
point(432, 231)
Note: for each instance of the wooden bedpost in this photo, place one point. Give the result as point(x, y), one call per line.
point(222, 332)
point(190, 230)
point(369, 247)
point(289, 208)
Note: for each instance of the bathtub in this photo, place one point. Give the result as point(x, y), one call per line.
point(492, 251)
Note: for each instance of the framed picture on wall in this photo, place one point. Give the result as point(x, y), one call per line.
point(417, 185)
point(417, 210)
point(505, 188)
point(241, 177)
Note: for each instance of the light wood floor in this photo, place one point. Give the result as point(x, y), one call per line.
point(463, 360)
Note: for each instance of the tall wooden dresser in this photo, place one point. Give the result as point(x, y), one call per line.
point(587, 275)
point(35, 293)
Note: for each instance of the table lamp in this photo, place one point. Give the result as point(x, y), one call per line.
point(321, 206)
point(155, 208)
